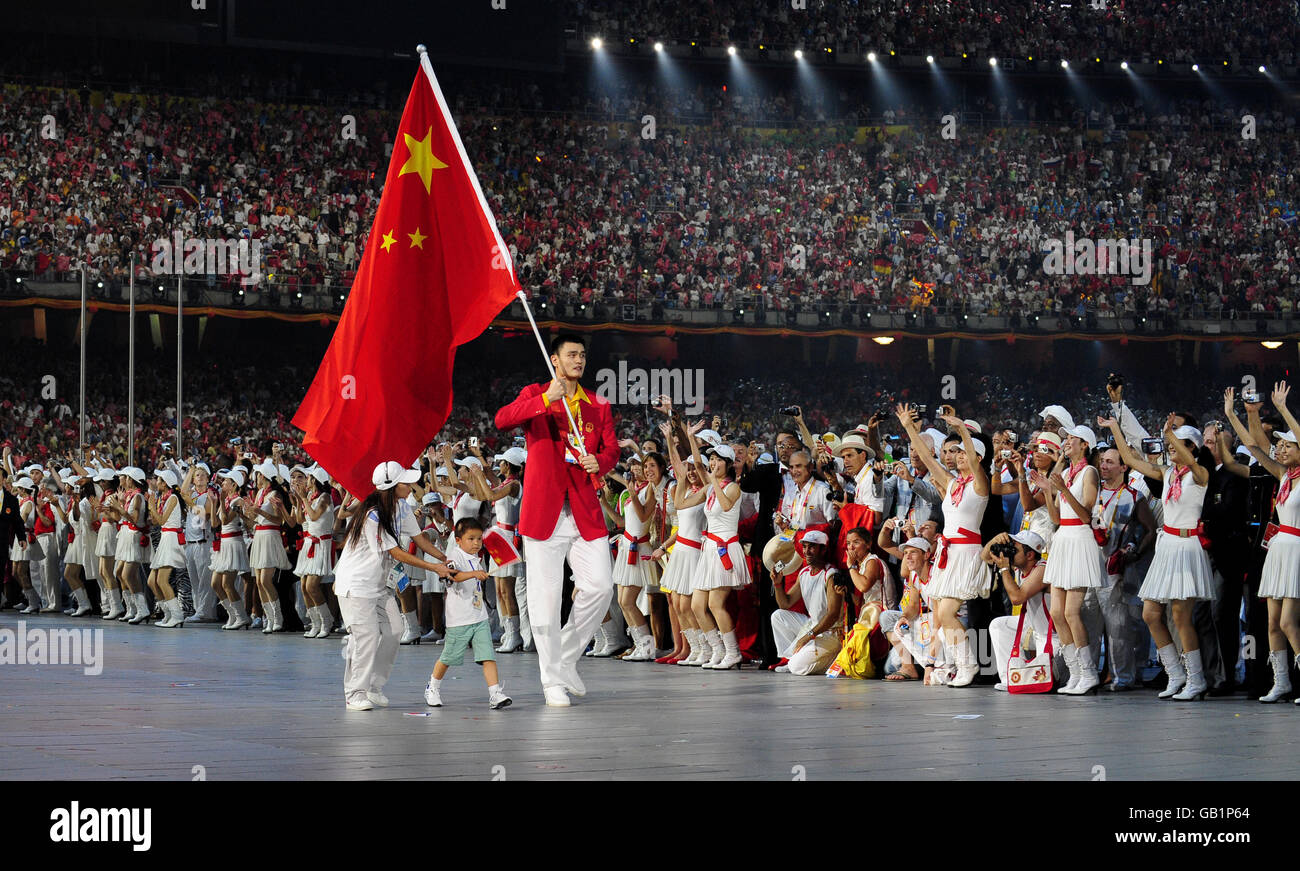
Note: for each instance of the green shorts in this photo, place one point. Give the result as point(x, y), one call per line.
point(460, 637)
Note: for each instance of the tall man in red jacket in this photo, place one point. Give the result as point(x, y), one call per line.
point(560, 516)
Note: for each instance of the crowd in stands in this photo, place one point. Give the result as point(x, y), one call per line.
point(1120, 29)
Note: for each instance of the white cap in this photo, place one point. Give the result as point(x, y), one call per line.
point(764, 459)
point(515, 456)
point(25, 483)
point(66, 473)
point(35, 467)
point(1083, 432)
point(979, 447)
point(1056, 411)
point(815, 537)
point(388, 475)
point(973, 426)
point(724, 451)
point(1284, 436)
point(267, 469)
point(167, 475)
point(936, 437)
point(430, 498)
point(283, 472)
point(709, 437)
point(134, 472)
point(106, 474)
point(319, 474)
point(1029, 539)
point(918, 542)
point(204, 467)
point(442, 472)
point(236, 475)
point(470, 461)
point(1191, 434)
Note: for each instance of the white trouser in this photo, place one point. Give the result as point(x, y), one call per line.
point(1122, 611)
point(559, 650)
point(376, 627)
point(1093, 621)
point(53, 581)
point(198, 564)
point(786, 628)
point(521, 600)
point(817, 655)
point(1002, 634)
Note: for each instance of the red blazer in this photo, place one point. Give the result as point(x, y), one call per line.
point(547, 477)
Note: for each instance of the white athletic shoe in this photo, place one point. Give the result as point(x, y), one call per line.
point(431, 636)
point(556, 697)
point(257, 624)
point(378, 698)
point(432, 697)
point(361, 706)
point(498, 700)
point(572, 683)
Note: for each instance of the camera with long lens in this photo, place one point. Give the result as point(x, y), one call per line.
point(1005, 549)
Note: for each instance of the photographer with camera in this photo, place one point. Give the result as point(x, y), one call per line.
point(1021, 569)
point(1133, 431)
point(909, 492)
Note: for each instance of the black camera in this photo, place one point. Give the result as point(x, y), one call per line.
point(837, 495)
point(1153, 446)
point(1113, 380)
point(1005, 549)
point(921, 409)
point(792, 411)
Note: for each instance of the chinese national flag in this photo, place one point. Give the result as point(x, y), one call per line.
point(433, 276)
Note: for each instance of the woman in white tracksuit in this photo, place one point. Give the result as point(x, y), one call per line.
point(364, 589)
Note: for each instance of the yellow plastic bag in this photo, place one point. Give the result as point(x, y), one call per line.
point(854, 659)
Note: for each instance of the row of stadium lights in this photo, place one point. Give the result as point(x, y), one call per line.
point(597, 43)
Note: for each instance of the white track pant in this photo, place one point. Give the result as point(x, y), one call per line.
point(1002, 634)
point(786, 627)
point(521, 599)
point(376, 627)
point(559, 649)
point(198, 563)
point(1125, 639)
point(51, 580)
point(817, 655)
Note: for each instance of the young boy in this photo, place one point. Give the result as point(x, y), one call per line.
point(466, 616)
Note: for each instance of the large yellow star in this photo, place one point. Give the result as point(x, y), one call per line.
point(417, 241)
point(388, 240)
point(421, 160)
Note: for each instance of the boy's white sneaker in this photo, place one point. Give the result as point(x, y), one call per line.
point(432, 697)
point(496, 700)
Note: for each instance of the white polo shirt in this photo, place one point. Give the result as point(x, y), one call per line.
point(362, 569)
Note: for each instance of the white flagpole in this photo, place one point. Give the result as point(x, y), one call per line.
point(180, 342)
point(130, 372)
point(82, 450)
point(573, 426)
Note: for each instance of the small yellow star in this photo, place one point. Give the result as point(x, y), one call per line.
point(417, 241)
point(389, 239)
point(421, 161)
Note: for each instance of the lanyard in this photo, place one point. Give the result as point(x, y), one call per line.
point(801, 501)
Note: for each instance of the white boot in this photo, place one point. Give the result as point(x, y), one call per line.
point(510, 638)
point(312, 620)
point(967, 665)
point(411, 634)
point(177, 613)
point(716, 651)
point(1194, 690)
point(33, 601)
point(608, 643)
point(644, 649)
point(128, 605)
point(1088, 677)
point(83, 602)
point(326, 621)
point(230, 613)
point(241, 620)
point(731, 651)
point(1070, 654)
point(115, 606)
point(166, 621)
point(1173, 668)
point(692, 637)
point(141, 609)
point(268, 617)
point(1281, 677)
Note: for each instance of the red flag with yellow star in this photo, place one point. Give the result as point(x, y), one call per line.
point(433, 276)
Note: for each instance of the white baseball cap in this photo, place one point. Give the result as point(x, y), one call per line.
point(1287, 436)
point(388, 475)
point(236, 475)
point(25, 483)
point(470, 461)
point(134, 472)
point(319, 474)
point(973, 426)
point(106, 474)
point(979, 447)
point(1029, 539)
point(709, 437)
point(515, 456)
point(267, 469)
point(1083, 432)
point(918, 542)
point(764, 459)
point(430, 498)
point(167, 475)
point(815, 537)
point(442, 472)
point(1191, 434)
point(723, 451)
point(1058, 412)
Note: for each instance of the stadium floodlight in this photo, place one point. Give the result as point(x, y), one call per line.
point(798, 54)
point(597, 42)
point(659, 46)
point(929, 58)
point(993, 61)
point(731, 50)
point(1262, 69)
point(99, 284)
point(1196, 68)
point(1123, 65)
point(1065, 64)
point(871, 57)
point(883, 340)
point(1272, 346)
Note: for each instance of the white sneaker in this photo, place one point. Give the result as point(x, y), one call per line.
point(361, 706)
point(1000, 687)
point(782, 669)
point(498, 700)
point(556, 697)
point(432, 697)
point(431, 636)
point(572, 683)
point(378, 698)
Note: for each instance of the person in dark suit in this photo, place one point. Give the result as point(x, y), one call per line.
point(10, 522)
point(763, 478)
point(1227, 526)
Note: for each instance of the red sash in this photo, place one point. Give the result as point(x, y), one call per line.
point(1198, 532)
point(216, 539)
point(180, 534)
point(688, 542)
point(723, 548)
point(632, 549)
point(966, 537)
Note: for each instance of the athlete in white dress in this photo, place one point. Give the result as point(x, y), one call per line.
point(106, 543)
point(167, 513)
point(229, 558)
point(958, 572)
point(81, 560)
point(25, 549)
point(1076, 565)
point(1180, 573)
point(685, 551)
point(133, 546)
point(632, 570)
point(1279, 584)
point(266, 512)
point(722, 566)
point(313, 511)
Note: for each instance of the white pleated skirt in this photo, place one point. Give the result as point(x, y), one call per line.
point(268, 551)
point(1281, 577)
point(233, 556)
point(1077, 562)
point(710, 574)
point(106, 545)
point(322, 563)
point(169, 552)
point(1179, 570)
point(683, 564)
point(21, 551)
point(641, 572)
point(129, 548)
point(964, 577)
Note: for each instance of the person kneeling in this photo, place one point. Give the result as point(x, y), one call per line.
point(1020, 566)
point(467, 616)
point(819, 641)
